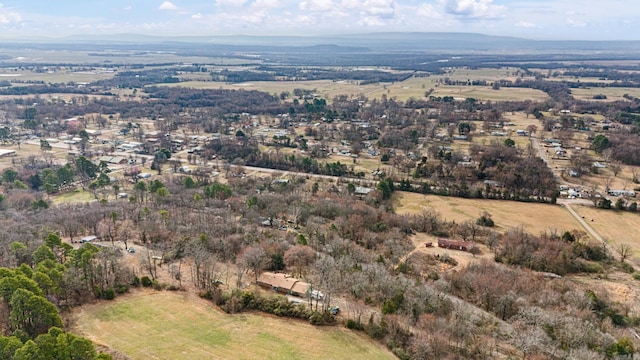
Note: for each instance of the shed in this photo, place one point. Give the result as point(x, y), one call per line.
point(87, 239)
point(7, 152)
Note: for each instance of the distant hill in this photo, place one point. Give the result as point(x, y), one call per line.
point(375, 42)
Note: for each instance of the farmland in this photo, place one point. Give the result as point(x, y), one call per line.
point(149, 325)
point(402, 91)
point(533, 218)
point(617, 227)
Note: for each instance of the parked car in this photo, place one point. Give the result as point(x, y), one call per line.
point(132, 250)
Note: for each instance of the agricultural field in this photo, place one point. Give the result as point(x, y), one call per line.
point(533, 218)
point(617, 227)
point(612, 93)
point(327, 89)
point(485, 93)
point(402, 91)
point(149, 325)
point(486, 74)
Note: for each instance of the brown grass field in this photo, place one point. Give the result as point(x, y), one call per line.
point(150, 325)
point(326, 88)
point(533, 218)
point(617, 227)
point(612, 93)
point(410, 88)
point(487, 74)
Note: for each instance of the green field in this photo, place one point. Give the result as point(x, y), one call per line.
point(76, 196)
point(169, 325)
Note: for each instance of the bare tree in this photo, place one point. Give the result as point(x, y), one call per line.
point(254, 258)
point(634, 173)
point(615, 169)
point(625, 251)
point(607, 183)
point(299, 257)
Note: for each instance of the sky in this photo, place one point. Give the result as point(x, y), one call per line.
point(532, 19)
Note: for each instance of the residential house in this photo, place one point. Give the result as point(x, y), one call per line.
point(456, 244)
point(283, 283)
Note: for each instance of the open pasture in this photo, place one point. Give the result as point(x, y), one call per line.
point(328, 89)
point(485, 93)
point(402, 91)
point(149, 325)
point(486, 74)
point(617, 227)
point(612, 93)
point(532, 217)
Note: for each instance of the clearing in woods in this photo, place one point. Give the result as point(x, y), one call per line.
point(148, 325)
point(534, 218)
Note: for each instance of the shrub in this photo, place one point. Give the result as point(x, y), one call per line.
point(121, 289)
point(353, 325)
point(590, 267)
point(375, 331)
point(485, 220)
point(146, 281)
point(136, 281)
point(157, 285)
point(322, 318)
point(626, 267)
point(109, 294)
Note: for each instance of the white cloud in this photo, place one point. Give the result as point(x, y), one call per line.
point(127, 8)
point(371, 21)
point(230, 2)
point(8, 16)
point(317, 5)
point(473, 9)
point(265, 4)
point(384, 8)
point(197, 16)
point(428, 11)
point(576, 23)
point(256, 17)
point(167, 5)
point(525, 24)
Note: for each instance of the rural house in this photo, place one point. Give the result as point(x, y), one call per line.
point(283, 283)
point(456, 244)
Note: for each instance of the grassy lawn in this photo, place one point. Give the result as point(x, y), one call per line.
point(158, 325)
point(73, 197)
point(534, 218)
